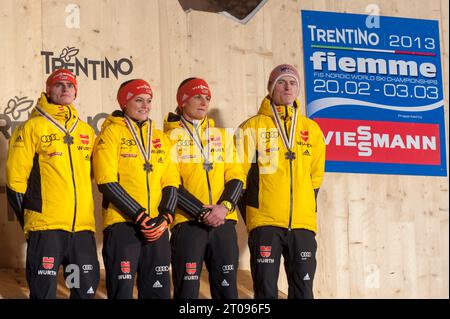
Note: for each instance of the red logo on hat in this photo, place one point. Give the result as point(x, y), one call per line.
point(191, 268)
point(191, 88)
point(48, 262)
point(286, 68)
point(125, 267)
point(304, 135)
point(84, 138)
point(156, 143)
point(61, 75)
point(265, 251)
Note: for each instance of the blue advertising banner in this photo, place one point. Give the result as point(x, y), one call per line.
point(375, 89)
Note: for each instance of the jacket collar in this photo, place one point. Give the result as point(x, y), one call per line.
point(117, 117)
point(65, 114)
point(265, 108)
point(173, 121)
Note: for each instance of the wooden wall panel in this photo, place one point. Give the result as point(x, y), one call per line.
point(20, 81)
point(380, 236)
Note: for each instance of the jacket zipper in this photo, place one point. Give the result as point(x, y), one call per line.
point(290, 194)
point(209, 188)
point(290, 174)
point(73, 179)
point(146, 174)
point(206, 172)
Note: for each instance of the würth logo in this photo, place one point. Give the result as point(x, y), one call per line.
point(191, 268)
point(48, 262)
point(125, 267)
point(265, 251)
point(156, 143)
point(304, 135)
point(216, 141)
point(84, 138)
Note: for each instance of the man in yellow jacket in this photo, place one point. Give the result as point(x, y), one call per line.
point(139, 184)
point(205, 220)
point(48, 174)
point(285, 160)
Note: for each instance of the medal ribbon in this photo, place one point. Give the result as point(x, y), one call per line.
point(55, 123)
point(197, 141)
point(288, 143)
point(145, 153)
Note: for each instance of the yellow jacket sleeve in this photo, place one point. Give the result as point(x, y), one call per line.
point(171, 175)
point(246, 146)
point(106, 157)
point(233, 169)
point(21, 152)
point(318, 159)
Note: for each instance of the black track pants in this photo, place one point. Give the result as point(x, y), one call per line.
point(126, 256)
point(298, 247)
point(192, 244)
point(76, 252)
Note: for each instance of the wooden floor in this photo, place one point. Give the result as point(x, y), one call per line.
point(13, 285)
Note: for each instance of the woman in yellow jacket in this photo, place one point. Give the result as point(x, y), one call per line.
point(204, 225)
point(285, 160)
point(48, 174)
point(133, 171)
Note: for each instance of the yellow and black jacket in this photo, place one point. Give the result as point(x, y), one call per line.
point(48, 181)
point(224, 182)
point(128, 189)
point(280, 193)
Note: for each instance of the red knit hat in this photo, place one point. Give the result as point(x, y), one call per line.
point(61, 75)
point(191, 88)
point(280, 71)
point(131, 89)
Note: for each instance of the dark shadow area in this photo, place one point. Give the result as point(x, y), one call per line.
point(13, 285)
point(241, 11)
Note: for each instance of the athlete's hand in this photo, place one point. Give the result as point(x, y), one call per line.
point(155, 227)
point(142, 220)
point(216, 217)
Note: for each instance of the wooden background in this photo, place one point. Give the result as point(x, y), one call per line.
point(380, 236)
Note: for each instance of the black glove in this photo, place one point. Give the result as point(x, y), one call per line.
point(153, 228)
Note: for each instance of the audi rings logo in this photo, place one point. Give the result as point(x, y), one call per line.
point(305, 254)
point(269, 134)
point(227, 268)
point(87, 268)
point(160, 269)
point(49, 138)
point(126, 142)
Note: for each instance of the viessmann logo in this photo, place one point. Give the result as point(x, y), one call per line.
point(91, 68)
point(381, 141)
